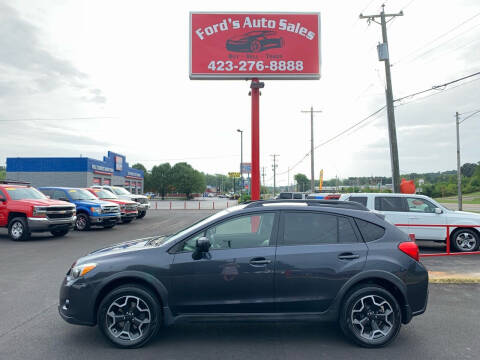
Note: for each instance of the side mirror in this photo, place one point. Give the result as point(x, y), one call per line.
point(202, 247)
point(438, 211)
point(2, 199)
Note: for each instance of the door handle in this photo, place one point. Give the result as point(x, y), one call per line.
point(348, 256)
point(258, 261)
point(412, 218)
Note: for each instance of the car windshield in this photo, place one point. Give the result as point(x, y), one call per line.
point(197, 225)
point(121, 191)
point(80, 194)
point(18, 193)
point(105, 194)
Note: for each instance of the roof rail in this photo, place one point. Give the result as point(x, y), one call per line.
point(15, 182)
point(311, 202)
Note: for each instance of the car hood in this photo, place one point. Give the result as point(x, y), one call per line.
point(119, 248)
point(463, 217)
point(119, 201)
point(45, 202)
point(134, 196)
point(92, 202)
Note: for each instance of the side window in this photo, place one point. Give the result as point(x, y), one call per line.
point(420, 205)
point(248, 231)
point(59, 194)
point(369, 231)
point(2, 195)
point(285, 196)
point(359, 199)
point(305, 228)
point(45, 192)
point(297, 196)
point(390, 203)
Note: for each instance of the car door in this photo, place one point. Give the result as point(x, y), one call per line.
point(3, 209)
point(316, 254)
point(422, 212)
point(395, 210)
point(235, 276)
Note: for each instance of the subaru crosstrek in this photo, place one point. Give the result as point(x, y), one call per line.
point(266, 260)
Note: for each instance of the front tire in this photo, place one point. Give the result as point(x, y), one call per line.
point(18, 229)
point(109, 226)
point(127, 221)
point(141, 214)
point(59, 233)
point(129, 316)
point(82, 223)
point(464, 240)
point(370, 316)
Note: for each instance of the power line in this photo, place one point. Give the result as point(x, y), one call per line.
point(469, 116)
point(437, 38)
point(437, 87)
point(335, 137)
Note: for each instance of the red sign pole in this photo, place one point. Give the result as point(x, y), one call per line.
point(255, 181)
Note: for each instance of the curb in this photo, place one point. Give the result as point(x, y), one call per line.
point(440, 277)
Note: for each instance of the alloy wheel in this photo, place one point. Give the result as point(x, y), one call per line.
point(81, 223)
point(465, 241)
point(17, 230)
point(372, 317)
point(128, 318)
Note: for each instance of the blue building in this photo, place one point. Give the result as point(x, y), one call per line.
point(77, 172)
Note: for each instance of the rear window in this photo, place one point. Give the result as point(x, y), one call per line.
point(359, 199)
point(390, 203)
point(369, 231)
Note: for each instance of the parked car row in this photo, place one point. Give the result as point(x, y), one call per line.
point(25, 209)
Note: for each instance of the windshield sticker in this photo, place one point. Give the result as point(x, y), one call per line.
point(72, 191)
point(9, 189)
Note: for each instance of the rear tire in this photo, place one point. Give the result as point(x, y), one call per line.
point(59, 233)
point(370, 316)
point(463, 240)
point(129, 316)
point(18, 229)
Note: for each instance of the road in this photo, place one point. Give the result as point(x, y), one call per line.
point(30, 327)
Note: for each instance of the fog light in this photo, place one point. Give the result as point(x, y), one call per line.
point(66, 305)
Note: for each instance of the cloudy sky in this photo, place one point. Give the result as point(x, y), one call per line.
point(114, 75)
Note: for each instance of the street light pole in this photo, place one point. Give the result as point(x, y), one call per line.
point(241, 155)
point(459, 168)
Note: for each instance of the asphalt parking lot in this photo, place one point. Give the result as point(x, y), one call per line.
point(30, 327)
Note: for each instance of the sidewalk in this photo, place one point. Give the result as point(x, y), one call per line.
point(453, 269)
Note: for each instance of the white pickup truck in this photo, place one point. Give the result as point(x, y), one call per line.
point(122, 193)
point(412, 209)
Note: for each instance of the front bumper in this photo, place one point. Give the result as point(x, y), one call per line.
point(105, 219)
point(143, 207)
point(76, 302)
point(129, 215)
point(46, 224)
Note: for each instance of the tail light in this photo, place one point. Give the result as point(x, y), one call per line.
point(410, 248)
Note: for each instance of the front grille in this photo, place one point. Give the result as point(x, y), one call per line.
point(109, 210)
point(131, 207)
point(60, 212)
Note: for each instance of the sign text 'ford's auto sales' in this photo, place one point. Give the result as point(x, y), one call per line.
point(255, 45)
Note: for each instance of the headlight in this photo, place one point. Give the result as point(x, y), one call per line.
point(96, 210)
point(39, 211)
point(81, 270)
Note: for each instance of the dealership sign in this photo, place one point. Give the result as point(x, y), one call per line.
point(254, 45)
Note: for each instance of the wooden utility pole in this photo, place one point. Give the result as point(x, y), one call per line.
point(312, 163)
point(274, 168)
point(383, 55)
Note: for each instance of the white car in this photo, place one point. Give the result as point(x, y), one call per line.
point(412, 209)
point(122, 193)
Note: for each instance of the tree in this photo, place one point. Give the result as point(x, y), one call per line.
point(468, 169)
point(187, 180)
point(161, 178)
point(303, 183)
point(147, 183)
point(3, 173)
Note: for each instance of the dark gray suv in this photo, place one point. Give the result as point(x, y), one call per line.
point(263, 261)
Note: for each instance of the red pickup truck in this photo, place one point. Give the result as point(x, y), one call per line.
point(24, 209)
point(128, 209)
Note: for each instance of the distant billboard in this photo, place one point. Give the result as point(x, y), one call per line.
point(246, 168)
point(254, 45)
